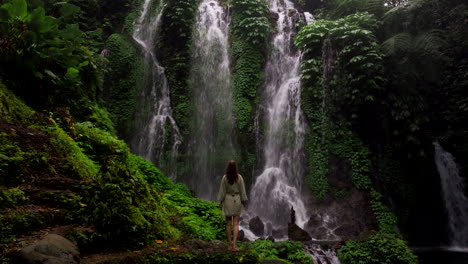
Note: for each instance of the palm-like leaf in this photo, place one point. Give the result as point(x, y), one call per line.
point(424, 44)
point(399, 43)
point(342, 8)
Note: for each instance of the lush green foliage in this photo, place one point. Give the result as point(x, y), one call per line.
point(250, 21)
point(11, 197)
point(197, 218)
point(378, 249)
point(45, 61)
point(342, 74)
point(122, 81)
point(175, 45)
point(286, 251)
point(248, 36)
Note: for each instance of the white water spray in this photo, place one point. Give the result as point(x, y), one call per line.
point(278, 187)
point(212, 140)
point(156, 131)
point(454, 198)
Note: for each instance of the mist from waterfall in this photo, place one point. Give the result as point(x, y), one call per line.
point(278, 187)
point(212, 143)
point(456, 203)
point(156, 136)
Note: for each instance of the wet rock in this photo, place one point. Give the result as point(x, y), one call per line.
point(52, 249)
point(256, 226)
point(241, 235)
point(320, 232)
point(295, 233)
point(273, 18)
point(279, 233)
point(314, 221)
point(218, 245)
point(271, 238)
point(346, 230)
point(196, 244)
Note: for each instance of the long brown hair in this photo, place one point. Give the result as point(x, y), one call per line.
point(231, 172)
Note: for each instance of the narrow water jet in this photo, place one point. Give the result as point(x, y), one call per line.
point(279, 186)
point(456, 203)
point(212, 143)
point(156, 136)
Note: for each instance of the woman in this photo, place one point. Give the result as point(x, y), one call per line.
point(232, 198)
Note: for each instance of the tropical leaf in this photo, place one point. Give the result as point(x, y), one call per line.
point(399, 43)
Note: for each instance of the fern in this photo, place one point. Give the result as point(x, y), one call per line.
point(397, 44)
point(423, 45)
point(342, 8)
point(430, 42)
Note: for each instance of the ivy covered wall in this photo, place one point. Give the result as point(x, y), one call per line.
point(249, 32)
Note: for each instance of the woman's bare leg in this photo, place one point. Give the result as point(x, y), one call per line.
point(236, 232)
point(228, 230)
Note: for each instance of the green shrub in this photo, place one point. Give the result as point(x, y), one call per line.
point(96, 143)
point(151, 174)
point(287, 251)
point(76, 163)
point(11, 197)
point(11, 158)
point(125, 209)
point(378, 249)
point(198, 218)
point(11, 108)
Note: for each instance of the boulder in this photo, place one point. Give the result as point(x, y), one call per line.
point(256, 226)
point(196, 243)
point(295, 233)
point(241, 236)
point(279, 233)
point(52, 249)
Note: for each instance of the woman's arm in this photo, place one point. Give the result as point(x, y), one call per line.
point(222, 190)
point(242, 189)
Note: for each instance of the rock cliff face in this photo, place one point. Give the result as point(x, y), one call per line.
point(340, 218)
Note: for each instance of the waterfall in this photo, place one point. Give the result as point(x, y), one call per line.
point(212, 133)
point(455, 201)
point(321, 255)
point(278, 187)
point(156, 136)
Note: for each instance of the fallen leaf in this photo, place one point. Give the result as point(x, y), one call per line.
point(83, 204)
point(158, 241)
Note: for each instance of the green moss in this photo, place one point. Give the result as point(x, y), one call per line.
point(17, 223)
point(12, 197)
point(12, 109)
point(11, 158)
point(77, 163)
point(96, 143)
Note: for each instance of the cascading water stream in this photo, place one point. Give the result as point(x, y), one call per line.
point(278, 187)
point(212, 133)
point(456, 203)
point(157, 136)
